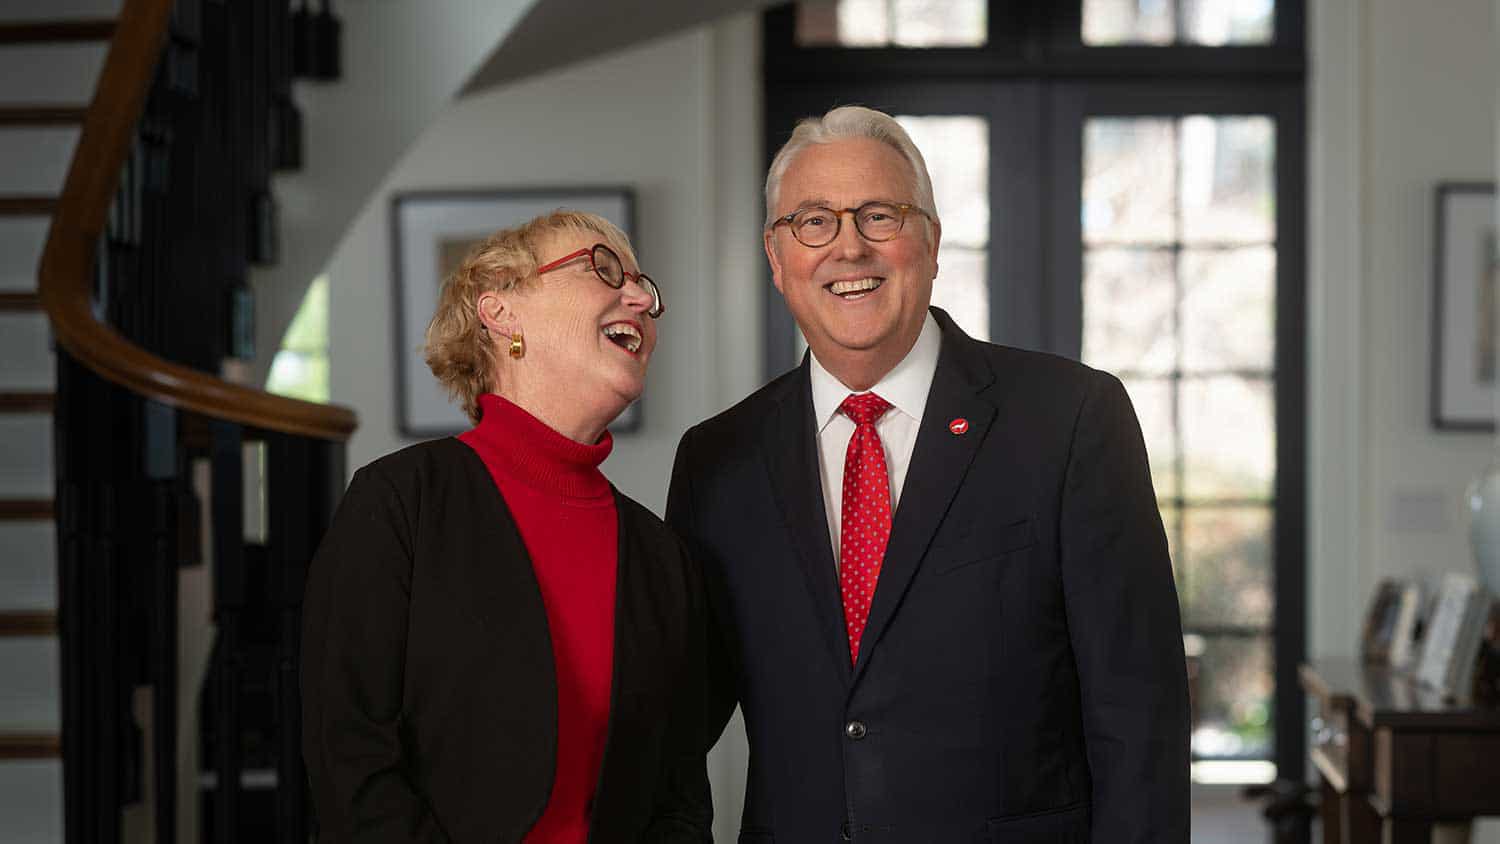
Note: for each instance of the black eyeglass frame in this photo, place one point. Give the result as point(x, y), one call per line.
point(905, 209)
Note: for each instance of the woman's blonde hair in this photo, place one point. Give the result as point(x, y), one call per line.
point(457, 351)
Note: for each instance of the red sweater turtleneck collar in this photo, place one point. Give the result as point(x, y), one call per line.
point(525, 448)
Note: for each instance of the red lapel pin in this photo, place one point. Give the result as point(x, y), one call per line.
point(959, 426)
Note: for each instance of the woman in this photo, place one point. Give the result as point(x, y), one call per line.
point(497, 645)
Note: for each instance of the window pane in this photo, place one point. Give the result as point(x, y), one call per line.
point(309, 329)
point(1228, 193)
point(957, 151)
point(1207, 22)
point(300, 367)
point(846, 23)
point(885, 23)
point(1171, 522)
point(1232, 698)
point(1128, 302)
point(940, 23)
point(1226, 563)
point(301, 376)
point(962, 289)
point(1127, 22)
point(1152, 399)
point(1229, 440)
point(1228, 309)
point(1219, 22)
point(1129, 168)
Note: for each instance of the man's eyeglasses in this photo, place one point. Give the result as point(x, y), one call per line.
point(877, 221)
point(610, 270)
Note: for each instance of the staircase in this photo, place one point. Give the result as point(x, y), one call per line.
point(137, 139)
point(50, 57)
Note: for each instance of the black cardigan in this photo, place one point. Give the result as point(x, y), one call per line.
point(429, 693)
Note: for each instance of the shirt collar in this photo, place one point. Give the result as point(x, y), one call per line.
point(905, 386)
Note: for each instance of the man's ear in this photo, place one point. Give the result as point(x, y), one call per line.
point(936, 229)
point(775, 260)
point(496, 313)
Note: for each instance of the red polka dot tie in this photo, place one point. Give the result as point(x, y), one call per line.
point(865, 520)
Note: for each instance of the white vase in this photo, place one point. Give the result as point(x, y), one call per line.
point(1484, 526)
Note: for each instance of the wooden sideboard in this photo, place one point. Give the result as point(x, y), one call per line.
point(1394, 757)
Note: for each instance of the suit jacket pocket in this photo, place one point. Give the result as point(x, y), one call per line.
point(982, 543)
point(1068, 825)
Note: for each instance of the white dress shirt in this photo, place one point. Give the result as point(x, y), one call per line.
point(905, 387)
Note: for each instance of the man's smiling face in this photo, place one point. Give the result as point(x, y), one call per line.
point(859, 303)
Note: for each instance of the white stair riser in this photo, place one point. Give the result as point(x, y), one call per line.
point(28, 565)
point(59, 74)
point(21, 242)
point(17, 11)
point(36, 159)
point(26, 360)
point(31, 801)
point(26, 455)
point(30, 696)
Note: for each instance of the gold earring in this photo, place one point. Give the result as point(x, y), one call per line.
point(517, 346)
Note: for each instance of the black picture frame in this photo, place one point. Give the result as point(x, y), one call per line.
point(428, 230)
point(1464, 312)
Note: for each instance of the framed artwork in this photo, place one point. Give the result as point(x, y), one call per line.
point(431, 233)
point(1464, 307)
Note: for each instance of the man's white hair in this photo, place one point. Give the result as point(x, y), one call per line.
point(850, 122)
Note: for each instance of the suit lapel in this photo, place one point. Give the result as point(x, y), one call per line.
point(939, 462)
point(791, 455)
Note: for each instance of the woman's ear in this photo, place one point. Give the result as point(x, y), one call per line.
point(497, 315)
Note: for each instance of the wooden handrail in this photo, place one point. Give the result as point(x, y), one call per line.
point(66, 270)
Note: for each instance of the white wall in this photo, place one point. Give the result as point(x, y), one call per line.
point(678, 118)
point(1403, 96)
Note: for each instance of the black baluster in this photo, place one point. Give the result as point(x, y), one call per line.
point(327, 33)
point(229, 601)
point(163, 475)
point(289, 499)
point(303, 43)
point(265, 229)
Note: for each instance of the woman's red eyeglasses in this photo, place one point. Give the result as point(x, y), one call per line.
point(611, 270)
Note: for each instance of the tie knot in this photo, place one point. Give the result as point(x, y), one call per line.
point(864, 408)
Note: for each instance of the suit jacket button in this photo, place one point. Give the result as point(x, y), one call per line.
point(846, 832)
point(855, 730)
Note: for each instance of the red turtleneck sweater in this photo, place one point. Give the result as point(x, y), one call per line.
point(565, 511)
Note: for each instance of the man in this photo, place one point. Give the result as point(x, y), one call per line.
point(941, 582)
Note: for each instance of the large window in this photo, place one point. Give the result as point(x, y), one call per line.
point(1120, 181)
point(1179, 281)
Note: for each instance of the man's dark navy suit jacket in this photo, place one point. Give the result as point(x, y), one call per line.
point(1021, 677)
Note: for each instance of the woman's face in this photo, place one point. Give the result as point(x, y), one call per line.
point(587, 344)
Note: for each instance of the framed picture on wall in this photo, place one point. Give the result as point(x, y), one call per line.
point(1464, 307)
point(431, 233)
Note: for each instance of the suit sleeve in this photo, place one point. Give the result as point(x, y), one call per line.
point(719, 684)
point(683, 812)
point(354, 648)
point(1124, 627)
